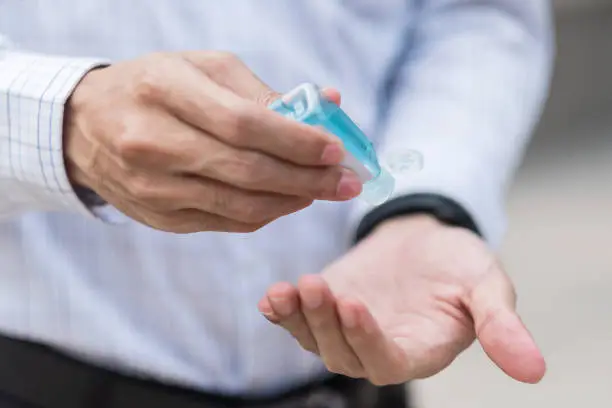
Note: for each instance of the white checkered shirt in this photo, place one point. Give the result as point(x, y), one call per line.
point(460, 81)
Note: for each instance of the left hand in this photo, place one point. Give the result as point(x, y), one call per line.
point(404, 303)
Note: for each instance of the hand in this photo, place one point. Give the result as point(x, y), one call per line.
point(404, 303)
point(185, 143)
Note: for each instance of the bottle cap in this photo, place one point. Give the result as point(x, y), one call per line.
point(379, 189)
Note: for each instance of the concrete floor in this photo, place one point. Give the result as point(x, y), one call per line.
point(559, 249)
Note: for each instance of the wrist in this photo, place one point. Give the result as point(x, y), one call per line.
point(77, 153)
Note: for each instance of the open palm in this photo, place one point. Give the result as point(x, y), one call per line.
point(404, 303)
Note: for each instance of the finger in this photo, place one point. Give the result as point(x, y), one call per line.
point(160, 192)
point(500, 331)
point(240, 122)
point(332, 95)
point(209, 196)
point(319, 308)
point(284, 302)
point(141, 201)
point(180, 148)
point(192, 220)
point(259, 172)
point(265, 308)
point(179, 222)
point(230, 72)
point(383, 361)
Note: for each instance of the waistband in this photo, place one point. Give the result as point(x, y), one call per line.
point(45, 378)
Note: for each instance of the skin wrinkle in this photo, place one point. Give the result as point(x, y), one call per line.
point(471, 287)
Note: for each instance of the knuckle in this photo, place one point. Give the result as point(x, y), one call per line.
point(317, 183)
point(143, 188)
point(148, 88)
point(149, 83)
point(223, 65)
point(249, 170)
point(267, 97)
point(130, 146)
point(134, 144)
point(240, 122)
point(240, 208)
point(219, 199)
point(320, 323)
point(223, 62)
point(326, 184)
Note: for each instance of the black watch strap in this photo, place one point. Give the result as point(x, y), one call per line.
point(88, 197)
point(444, 209)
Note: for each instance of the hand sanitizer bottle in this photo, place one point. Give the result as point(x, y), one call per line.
point(307, 105)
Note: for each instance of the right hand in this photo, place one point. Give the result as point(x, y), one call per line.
point(184, 142)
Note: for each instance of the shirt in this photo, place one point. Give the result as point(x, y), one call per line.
point(460, 81)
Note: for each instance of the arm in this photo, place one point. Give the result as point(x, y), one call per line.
point(403, 303)
point(33, 91)
point(136, 135)
point(467, 95)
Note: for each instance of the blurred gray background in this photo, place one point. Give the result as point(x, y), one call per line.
point(558, 250)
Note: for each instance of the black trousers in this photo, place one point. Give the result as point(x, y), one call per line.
point(35, 376)
point(8, 402)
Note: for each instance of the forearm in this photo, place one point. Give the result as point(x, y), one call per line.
point(468, 96)
point(33, 92)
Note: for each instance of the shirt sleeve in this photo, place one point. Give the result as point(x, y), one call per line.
point(33, 91)
point(467, 94)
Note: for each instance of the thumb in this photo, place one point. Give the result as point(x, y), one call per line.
point(228, 71)
point(333, 95)
point(502, 334)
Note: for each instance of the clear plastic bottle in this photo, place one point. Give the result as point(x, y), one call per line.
point(307, 105)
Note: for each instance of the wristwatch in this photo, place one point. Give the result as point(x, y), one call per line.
point(89, 197)
point(443, 208)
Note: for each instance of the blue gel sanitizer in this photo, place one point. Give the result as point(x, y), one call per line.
point(306, 104)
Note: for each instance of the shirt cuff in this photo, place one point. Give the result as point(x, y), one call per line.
point(36, 88)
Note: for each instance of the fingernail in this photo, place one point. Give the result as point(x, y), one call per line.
point(314, 300)
point(271, 317)
point(332, 155)
point(349, 185)
point(282, 306)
